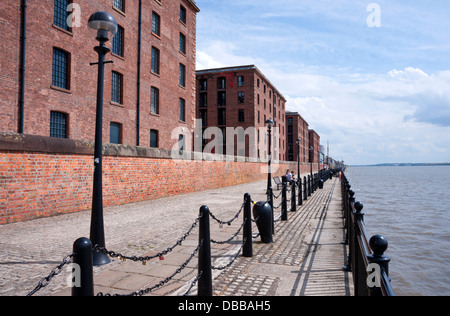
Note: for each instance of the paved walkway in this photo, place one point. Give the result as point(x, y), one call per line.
point(306, 257)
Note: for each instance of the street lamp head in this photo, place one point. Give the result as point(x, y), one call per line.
point(299, 141)
point(270, 123)
point(104, 24)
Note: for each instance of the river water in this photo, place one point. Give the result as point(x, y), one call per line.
point(410, 206)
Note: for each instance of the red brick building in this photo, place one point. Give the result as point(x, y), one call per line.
point(297, 128)
point(314, 146)
point(149, 89)
point(242, 97)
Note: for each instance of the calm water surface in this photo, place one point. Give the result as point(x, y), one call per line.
point(410, 206)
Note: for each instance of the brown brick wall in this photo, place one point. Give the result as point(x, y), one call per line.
point(38, 180)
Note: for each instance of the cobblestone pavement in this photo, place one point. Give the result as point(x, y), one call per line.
point(299, 262)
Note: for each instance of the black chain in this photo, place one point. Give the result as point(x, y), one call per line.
point(56, 271)
point(163, 282)
point(163, 253)
point(231, 220)
point(232, 237)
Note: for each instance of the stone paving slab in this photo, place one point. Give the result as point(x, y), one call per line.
point(290, 266)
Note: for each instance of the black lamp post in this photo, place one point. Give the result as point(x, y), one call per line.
point(269, 124)
point(105, 27)
point(300, 200)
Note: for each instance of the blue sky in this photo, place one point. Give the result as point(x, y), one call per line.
point(377, 94)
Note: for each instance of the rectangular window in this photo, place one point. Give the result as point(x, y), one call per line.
point(115, 136)
point(119, 4)
point(61, 14)
point(155, 60)
point(182, 110)
point(118, 42)
point(181, 142)
point(182, 80)
point(156, 24)
point(61, 62)
point(183, 14)
point(222, 117)
point(241, 97)
point(203, 100)
point(182, 43)
point(154, 107)
point(221, 83)
point(204, 117)
point(240, 81)
point(221, 98)
point(116, 87)
point(241, 116)
point(203, 85)
point(153, 138)
point(58, 125)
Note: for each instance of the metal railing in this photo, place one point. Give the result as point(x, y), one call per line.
point(366, 259)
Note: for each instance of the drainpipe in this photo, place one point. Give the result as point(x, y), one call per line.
point(138, 105)
point(23, 38)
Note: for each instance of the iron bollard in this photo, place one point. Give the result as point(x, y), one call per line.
point(248, 238)
point(83, 276)
point(264, 221)
point(293, 198)
point(321, 184)
point(284, 215)
point(305, 189)
point(300, 192)
point(204, 254)
point(379, 245)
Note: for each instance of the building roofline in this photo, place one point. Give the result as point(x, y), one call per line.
point(238, 68)
point(193, 4)
point(289, 113)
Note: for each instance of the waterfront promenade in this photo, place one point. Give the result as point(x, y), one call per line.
point(306, 257)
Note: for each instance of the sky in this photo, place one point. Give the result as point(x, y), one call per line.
point(372, 78)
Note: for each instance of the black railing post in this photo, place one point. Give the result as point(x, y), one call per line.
point(83, 275)
point(300, 192)
point(270, 201)
point(379, 245)
point(293, 198)
point(204, 254)
point(305, 189)
point(309, 185)
point(248, 238)
point(284, 216)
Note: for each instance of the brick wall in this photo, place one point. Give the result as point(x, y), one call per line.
point(41, 177)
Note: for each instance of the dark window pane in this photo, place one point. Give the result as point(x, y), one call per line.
point(115, 131)
point(118, 42)
point(60, 77)
point(116, 87)
point(156, 24)
point(58, 125)
point(154, 138)
point(155, 60)
point(61, 14)
point(119, 4)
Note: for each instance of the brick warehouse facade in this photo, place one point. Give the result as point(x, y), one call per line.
point(54, 50)
point(297, 128)
point(242, 97)
point(314, 145)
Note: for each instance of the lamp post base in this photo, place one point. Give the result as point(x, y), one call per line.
point(99, 258)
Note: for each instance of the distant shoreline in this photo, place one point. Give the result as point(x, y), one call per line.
point(404, 165)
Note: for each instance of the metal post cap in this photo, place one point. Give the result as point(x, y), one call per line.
point(359, 206)
point(379, 245)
